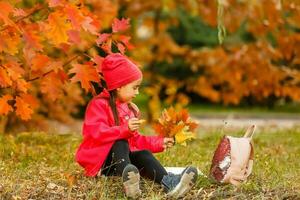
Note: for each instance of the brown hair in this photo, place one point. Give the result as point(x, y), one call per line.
point(112, 104)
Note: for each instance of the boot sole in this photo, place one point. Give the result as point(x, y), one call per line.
point(187, 181)
point(131, 181)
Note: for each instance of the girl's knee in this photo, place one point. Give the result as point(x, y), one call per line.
point(123, 144)
point(146, 154)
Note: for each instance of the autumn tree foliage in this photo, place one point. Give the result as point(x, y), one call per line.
point(47, 48)
point(178, 43)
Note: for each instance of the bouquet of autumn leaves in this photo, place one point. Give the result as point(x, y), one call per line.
point(176, 124)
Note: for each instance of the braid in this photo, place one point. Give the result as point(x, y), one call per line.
point(112, 104)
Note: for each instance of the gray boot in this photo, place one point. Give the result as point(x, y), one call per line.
point(177, 185)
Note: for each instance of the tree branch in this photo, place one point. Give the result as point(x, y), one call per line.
point(45, 74)
point(39, 7)
point(65, 64)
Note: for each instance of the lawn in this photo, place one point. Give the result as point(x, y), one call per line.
point(41, 166)
point(287, 110)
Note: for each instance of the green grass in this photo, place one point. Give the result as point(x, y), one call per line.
point(281, 111)
point(215, 110)
point(41, 166)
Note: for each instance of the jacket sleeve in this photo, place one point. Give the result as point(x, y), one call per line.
point(151, 143)
point(96, 124)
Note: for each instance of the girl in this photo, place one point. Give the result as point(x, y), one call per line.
point(112, 144)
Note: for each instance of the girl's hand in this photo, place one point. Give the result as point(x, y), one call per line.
point(168, 142)
point(134, 124)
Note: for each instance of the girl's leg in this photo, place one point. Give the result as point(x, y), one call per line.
point(118, 163)
point(117, 159)
point(148, 165)
point(175, 185)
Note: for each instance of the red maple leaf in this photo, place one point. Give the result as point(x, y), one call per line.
point(102, 38)
point(120, 25)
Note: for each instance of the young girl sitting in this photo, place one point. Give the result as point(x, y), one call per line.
point(111, 142)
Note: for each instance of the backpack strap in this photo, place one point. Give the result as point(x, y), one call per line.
point(250, 161)
point(250, 132)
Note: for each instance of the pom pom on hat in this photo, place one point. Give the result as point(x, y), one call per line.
point(118, 71)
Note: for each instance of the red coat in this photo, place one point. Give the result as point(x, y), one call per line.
point(100, 133)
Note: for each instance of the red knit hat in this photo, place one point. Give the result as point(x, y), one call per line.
point(118, 71)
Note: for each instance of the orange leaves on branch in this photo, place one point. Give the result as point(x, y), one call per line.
point(177, 124)
point(38, 44)
point(24, 104)
point(84, 73)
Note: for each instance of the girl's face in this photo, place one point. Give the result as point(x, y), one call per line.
point(128, 92)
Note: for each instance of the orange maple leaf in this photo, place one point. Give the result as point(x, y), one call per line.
point(10, 41)
point(74, 15)
point(23, 109)
point(22, 85)
point(84, 74)
point(56, 66)
point(5, 80)
point(5, 11)
point(53, 90)
point(5, 108)
point(39, 62)
point(31, 100)
point(32, 39)
point(14, 70)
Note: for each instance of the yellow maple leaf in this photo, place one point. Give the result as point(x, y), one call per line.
point(57, 28)
point(184, 135)
point(176, 124)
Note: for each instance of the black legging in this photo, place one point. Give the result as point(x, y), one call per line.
point(120, 155)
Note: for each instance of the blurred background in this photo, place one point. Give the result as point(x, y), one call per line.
point(252, 71)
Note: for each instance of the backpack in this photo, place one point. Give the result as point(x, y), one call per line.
point(233, 159)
